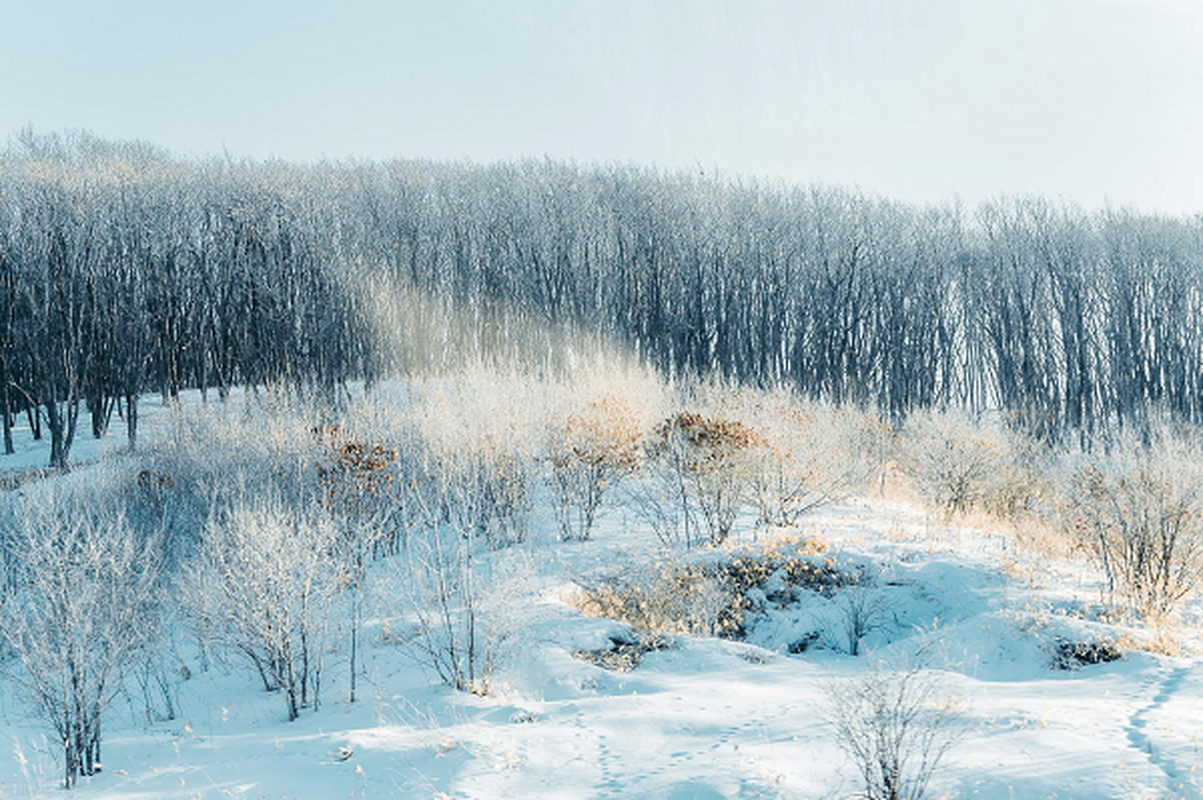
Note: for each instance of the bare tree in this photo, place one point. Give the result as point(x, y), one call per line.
point(951, 459)
point(860, 610)
point(8, 298)
point(711, 464)
point(251, 273)
point(589, 455)
point(362, 486)
point(446, 581)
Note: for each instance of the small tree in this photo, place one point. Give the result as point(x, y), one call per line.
point(481, 429)
point(361, 486)
point(452, 635)
point(481, 491)
point(951, 459)
point(79, 606)
point(812, 455)
point(860, 610)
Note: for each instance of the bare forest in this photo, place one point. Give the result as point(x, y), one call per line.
point(125, 271)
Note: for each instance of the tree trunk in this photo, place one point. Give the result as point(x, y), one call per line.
point(6, 415)
point(131, 420)
point(35, 421)
point(62, 431)
point(354, 638)
point(58, 453)
point(70, 769)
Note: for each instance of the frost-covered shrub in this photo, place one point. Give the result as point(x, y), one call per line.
point(711, 597)
point(477, 441)
point(445, 591)
point(482, 493)
point(1021, 484)
point(706, 468)
point(745, 450)
point(896, 726)
point(1139, 511)
point(265, 585)
point(360, 482)
point(79, 607)
point(813, 453)
point(259, 444)
point(960, 466)
point(443, 579)
point(460, 506)
point(949, 459)
point(687, 599)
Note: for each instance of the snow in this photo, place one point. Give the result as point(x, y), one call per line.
point(703, 718)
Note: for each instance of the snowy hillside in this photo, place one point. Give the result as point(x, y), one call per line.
point(1001, 636)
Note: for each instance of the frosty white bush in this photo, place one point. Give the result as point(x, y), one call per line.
point(445, 596)
point(949, 459)
point(813, 453)
point(707, 467)
point(1139, 510)
point(79, 607)
point(479, 439)
point(745, 450)
point(482, 493)
point(451, 514)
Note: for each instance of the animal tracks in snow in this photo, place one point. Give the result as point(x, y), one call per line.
point(1179, 780)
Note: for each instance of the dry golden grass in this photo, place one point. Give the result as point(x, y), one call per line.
point(1162, 640)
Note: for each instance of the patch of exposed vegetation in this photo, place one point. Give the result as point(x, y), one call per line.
point(710, 597)
point(1070, 655)
point(623, 655)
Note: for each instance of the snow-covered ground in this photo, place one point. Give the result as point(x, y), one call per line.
point(154, 418)
point(702, 718)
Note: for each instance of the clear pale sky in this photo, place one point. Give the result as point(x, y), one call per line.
point(1089, 101)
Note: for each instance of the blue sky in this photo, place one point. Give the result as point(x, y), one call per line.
point(1090, 101)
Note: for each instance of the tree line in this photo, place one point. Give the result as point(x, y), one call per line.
point(125, 270)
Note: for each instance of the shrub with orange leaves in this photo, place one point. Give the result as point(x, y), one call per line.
point(587, 455)
point(360, 483)
point(711, 463)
